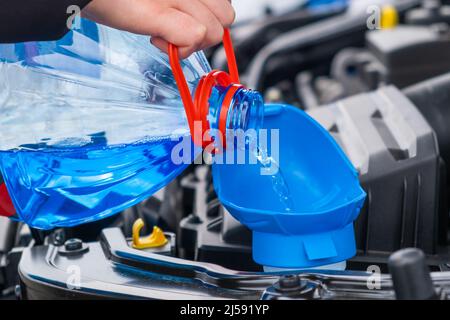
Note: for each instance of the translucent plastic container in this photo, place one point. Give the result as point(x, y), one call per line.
point(89, 123)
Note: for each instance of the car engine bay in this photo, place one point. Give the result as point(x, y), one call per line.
point(384, 96)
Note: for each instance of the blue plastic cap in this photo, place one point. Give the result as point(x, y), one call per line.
point(323, 187)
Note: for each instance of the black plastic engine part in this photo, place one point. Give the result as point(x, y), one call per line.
point(432, 98)
point(407, 55)
point(431, 11)
point(8, 263)
point(309, 46)
point(402, 57)
point(249, 38)
point(411, 276)
point(211, 234)
point(395, 151)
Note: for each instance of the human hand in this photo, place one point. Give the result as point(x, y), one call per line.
point(191, 25)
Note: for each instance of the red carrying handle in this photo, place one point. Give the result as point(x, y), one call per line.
point(231, 57)
point(197, 109)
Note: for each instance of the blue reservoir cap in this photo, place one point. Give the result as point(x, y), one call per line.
point(314, 227)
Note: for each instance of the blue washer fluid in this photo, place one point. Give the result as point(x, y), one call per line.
point(69, 186)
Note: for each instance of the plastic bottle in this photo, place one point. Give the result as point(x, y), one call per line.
point(90, 122)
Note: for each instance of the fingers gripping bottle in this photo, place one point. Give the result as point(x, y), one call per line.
point(94, 123)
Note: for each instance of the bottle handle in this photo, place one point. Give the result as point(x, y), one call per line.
point(199, 105)
point(231, 57)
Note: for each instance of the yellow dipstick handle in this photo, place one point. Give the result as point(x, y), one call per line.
point(389, 17)
point(154, 240)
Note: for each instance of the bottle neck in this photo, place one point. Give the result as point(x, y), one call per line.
point(242, 108)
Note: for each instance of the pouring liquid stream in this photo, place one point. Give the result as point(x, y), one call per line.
point(272, 167)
